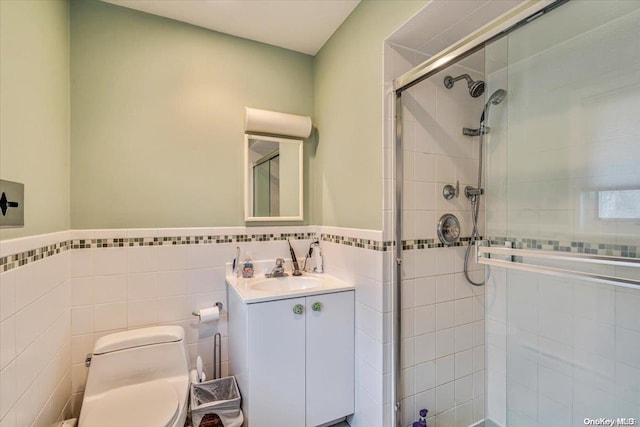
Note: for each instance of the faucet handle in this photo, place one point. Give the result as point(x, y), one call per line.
point(279, 262)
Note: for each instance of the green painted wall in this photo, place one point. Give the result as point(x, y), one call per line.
point(157, 110)
point(347, 189)
point(34, 110)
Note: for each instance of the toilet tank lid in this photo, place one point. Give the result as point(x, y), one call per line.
point(138, 338)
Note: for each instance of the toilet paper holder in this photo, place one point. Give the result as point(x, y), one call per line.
point(218, 304)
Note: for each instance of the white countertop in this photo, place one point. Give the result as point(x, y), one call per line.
point(245, 287)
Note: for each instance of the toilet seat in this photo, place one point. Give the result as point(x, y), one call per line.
point(153, 403)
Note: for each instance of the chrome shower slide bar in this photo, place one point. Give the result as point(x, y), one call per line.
point(484, 252)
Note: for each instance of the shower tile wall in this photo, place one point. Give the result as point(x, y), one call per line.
point(35, 348)
point(560, 351)
point(442, 315)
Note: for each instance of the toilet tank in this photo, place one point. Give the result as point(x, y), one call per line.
point(136, 356)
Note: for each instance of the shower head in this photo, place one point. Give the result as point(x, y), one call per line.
point(476, 88)
point(497, 97)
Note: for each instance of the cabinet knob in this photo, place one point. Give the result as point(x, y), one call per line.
point(317, 306)
point(298, 309)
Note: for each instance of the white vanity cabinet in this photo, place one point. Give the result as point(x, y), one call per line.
point(293, 358)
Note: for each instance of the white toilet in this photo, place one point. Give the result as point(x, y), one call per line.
point(138, 378)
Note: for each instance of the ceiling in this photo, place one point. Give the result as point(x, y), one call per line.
point(443, 22)
point(303, 25)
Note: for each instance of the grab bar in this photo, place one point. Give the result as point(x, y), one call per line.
point(483, 254)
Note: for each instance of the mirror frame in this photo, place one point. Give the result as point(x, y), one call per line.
point(248, 195)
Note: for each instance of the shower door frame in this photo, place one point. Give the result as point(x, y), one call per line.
point(494, 30)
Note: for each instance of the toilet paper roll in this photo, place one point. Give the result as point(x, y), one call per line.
point(275, 123)
point(210, 314)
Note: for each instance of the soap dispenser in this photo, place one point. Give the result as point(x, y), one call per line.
point(422, 420)
point(317, 258)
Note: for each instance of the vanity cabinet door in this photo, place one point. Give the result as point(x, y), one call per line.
point(330, 357)
point(277, 363)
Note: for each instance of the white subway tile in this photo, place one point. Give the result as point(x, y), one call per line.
point(406, 353)
point(142, 286)
point(463, 311)
point(82, 321)
point(627, 312)
point(142, 313)
point(425, 376)
point(111, 288)
point(425, 348)
point(463, 363)
point(445, 260)
point(408, 323)
point(463, 289)
point(7, 294)
point(425, 319)
point(463, 337)
point(464, 414)
point(82, 262)
point(8, 340)
point(110, 316)
point(445, 370)
point(425, 291)
point(425, 262)
point(478, 358)
point(82, 291)
point(478, 384)
point(172, 257)
point(628, 347)
point(26, 411)
point(445, 342)
point(8, 389)
point(79, 374)
point(445, 315)
point(110, 261)
point(445, 395)
point(203, 280)
point(408, 381)
point(142, 259)
point(445, 290)
point(425, 224)
point(171, 283)
point(81, 345)
point(173, 308)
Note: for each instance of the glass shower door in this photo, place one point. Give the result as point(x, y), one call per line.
point(563, 189)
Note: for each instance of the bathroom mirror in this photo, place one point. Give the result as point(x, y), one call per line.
point(273, 178)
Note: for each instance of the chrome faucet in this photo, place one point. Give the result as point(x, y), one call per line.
point(278, 270)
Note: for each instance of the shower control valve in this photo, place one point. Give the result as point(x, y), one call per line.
point(449, 191)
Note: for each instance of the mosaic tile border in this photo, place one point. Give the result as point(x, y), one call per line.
point(10, 262)
point(374, 245)
point(628, 251)
point(20, 259)
point(408, 245)
point(185, 240)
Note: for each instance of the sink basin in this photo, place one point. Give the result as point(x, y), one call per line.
point(287, 283)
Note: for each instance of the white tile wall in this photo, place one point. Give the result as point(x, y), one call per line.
point(115, 289)
point(443, 315)
point(35, 345)
point(363, 267)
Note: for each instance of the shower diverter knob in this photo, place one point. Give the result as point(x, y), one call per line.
point(448, 229)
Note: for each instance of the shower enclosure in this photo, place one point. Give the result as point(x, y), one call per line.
point(539, 158)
